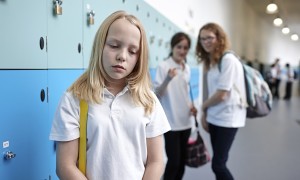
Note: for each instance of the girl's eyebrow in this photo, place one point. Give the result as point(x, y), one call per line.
point(113, 39)
point(134, 46)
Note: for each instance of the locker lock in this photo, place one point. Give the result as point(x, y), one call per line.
point(152, 38)
point(167, 45)
point(91, 16)
point(160, 41)
point(9, 155)
point(57, 7)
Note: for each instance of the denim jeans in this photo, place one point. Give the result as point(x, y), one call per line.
point(221, 140)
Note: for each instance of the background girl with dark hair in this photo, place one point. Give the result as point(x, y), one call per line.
point(172, 88)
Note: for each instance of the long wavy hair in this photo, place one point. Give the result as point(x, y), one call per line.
point(90, 85)
point(222, 45)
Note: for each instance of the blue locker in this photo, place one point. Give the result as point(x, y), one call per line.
point(194, 82)
point(24, 112)
point(58, 82)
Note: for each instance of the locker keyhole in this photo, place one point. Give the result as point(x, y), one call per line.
point(79, 48)
point(42, 43)
point(42, 95)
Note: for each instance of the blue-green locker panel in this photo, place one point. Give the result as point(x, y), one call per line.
point(159, 29)
point(102, 9)
point(65, 35)
point(24, 112)
point(23, 34)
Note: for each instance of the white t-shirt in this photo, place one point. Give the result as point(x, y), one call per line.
point(116, 134)
point(228, 113)
point(175, 100)
point(290, 74)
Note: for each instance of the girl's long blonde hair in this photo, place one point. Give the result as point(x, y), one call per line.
point(90, 85)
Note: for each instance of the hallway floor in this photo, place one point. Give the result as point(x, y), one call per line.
point(266, 149)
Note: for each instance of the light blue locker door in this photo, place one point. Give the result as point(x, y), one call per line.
point(58, 83)
point(23, 34)
point(24, 112)
point(65, 35)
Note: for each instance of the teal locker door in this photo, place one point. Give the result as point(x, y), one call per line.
point(65, 35)
point(24, 112)
point(153, 30)
point(91, 9)
point(23, 34)
point(131, 6)
point(101, 9)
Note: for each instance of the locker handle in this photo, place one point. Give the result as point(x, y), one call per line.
point(9, 155)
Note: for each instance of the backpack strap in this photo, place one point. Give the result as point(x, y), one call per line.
point(243, 101)
point(82, 139)
point(220, 60)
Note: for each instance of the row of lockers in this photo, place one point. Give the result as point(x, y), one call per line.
point(56, 34)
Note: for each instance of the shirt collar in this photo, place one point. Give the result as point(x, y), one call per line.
point(107, 93)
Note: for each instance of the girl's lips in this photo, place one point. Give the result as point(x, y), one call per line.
point(118, 66)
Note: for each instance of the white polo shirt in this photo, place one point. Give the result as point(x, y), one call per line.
point(175, 100)
point(228, 113)
point(117, 131)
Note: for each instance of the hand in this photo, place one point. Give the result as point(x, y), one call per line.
point(204, 122)
point(194, 111)
point(172, 72)
point(182, 64)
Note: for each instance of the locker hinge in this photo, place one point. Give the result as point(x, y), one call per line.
point(47, 95)
point(46, 43)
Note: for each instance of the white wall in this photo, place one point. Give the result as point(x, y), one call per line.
point(250, 36)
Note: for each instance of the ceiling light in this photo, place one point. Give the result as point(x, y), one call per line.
point(278, 21)
point(271, 8)
point(294, 37)
point(285, 30)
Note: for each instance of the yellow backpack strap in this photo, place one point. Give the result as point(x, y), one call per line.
point(82, 140)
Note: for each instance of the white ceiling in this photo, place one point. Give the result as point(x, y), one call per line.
point(289, 11)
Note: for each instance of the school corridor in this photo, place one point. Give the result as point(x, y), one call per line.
point(266, 149)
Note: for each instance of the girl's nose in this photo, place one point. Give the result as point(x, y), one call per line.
point(121, 56)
